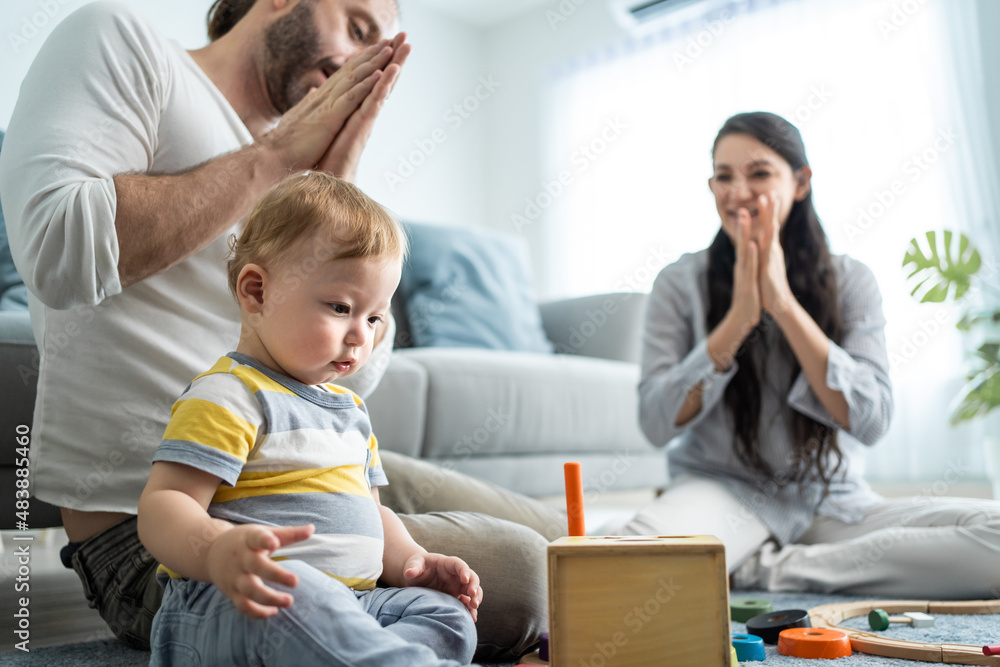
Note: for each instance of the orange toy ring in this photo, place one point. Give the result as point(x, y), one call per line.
point(814, 643)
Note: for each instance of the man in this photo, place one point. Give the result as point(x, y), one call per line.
point(127, 165)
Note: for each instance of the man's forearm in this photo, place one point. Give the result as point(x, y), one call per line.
point(160, 220)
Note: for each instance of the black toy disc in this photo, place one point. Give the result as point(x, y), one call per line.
point(769, 626)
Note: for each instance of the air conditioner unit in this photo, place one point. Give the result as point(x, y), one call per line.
point(645, 16)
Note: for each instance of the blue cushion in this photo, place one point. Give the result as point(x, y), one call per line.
point(13, 293)
point(470, 288)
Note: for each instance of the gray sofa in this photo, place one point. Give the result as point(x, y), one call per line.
point(514, 418)
point(18, 380)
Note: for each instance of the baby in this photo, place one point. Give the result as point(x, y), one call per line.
point(261, 442)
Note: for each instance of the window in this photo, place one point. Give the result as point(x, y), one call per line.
point(863, 81)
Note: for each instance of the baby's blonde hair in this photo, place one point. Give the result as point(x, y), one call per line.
point(347, 220)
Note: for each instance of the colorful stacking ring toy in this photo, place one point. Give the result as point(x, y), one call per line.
point(814, 643)
point(748, 647)
point(742, 610)
point(768, 626)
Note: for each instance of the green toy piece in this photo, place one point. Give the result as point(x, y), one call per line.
point(878, 620)
point(742, 610)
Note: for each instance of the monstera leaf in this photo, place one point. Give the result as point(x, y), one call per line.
point(982, 393)
point(936, 276)
point(980, 316)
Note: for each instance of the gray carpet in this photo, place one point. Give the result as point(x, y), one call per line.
point(975, 630)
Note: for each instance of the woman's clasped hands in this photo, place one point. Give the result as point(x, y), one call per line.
point(760, 281)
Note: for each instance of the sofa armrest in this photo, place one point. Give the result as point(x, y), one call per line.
point(18, 376)
point(398, 406)
point(606, 326)
point(18, 384)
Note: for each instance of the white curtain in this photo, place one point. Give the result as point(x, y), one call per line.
point(974, 178)
point(871, 85)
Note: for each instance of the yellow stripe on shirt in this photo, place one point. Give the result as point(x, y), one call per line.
point(212, 421)
point(342, 479)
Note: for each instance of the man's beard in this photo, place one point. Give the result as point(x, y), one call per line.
point(291, 49)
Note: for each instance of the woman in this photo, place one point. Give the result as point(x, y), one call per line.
point(767, 356)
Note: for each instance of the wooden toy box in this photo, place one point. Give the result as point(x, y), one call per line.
point(638, 601)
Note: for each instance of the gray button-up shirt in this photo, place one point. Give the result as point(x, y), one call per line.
point(675, 359)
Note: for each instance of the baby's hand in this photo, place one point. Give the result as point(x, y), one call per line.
point(239, 562)
point(447, 574)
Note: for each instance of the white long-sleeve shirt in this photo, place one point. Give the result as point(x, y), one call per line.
point(675, 359)
point(107, 95)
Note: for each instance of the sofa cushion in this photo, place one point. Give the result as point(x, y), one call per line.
point(495, 402)
point(470, 288)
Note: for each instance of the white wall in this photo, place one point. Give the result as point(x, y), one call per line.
point(447, 187)
point(522, 53)
point(426, 161)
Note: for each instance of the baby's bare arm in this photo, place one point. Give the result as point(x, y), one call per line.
point(175, 527)
point(406, 563)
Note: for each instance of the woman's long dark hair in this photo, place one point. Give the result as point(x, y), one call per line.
point(812, 280)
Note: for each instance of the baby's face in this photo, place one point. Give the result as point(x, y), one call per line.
point(320, 324)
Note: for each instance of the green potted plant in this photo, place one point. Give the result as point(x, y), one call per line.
point(945, 272)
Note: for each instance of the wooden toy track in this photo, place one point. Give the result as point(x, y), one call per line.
point(831, 615)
